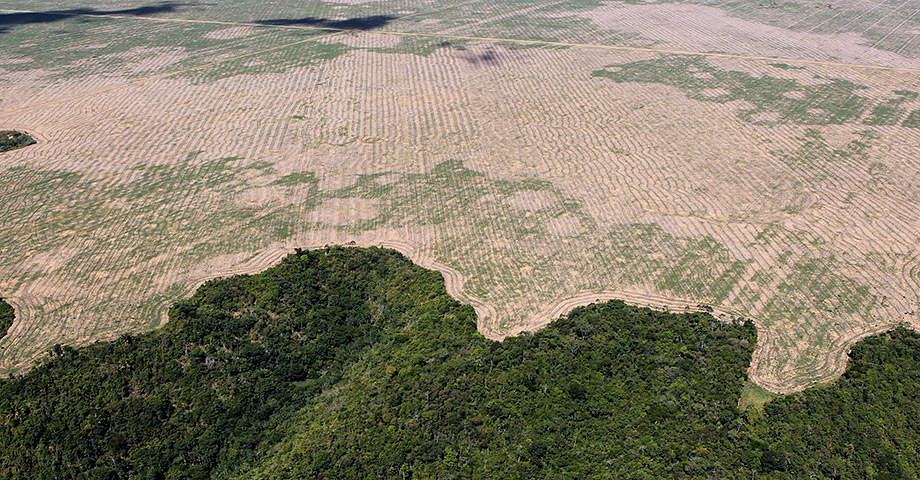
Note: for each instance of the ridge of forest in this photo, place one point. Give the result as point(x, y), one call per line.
point(7, 315)
point(354, 362)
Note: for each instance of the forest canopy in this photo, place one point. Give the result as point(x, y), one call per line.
point(7, 315)
point(11, 140)
point(355, 363)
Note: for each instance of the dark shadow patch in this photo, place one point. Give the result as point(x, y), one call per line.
point(9, 20)
point(487, 58)
point(358, 23)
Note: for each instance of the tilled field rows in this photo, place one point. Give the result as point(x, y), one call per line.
point(535, 178)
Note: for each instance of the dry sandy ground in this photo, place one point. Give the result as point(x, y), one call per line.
point(531, 185)
point(698, 28)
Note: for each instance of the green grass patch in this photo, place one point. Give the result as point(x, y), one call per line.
point(835, 102)
point(296, 178)
point(422, 46)
point(786, 66)
point(912, 120)
point(815, 152)
point(280, 60)
point(891, 111)
point(630, 254)
point(754, 396)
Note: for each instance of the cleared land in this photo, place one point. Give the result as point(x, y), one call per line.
point(542, 154)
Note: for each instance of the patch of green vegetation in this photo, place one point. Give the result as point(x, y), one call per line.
point(280, 60)
point(450, 185)
point(754, 396)
point(366, 186)
point(877, 169)
point(891, 111)
point(354, 363)
point(786, 66)
point(835, 102)
point(706, 269)
point(190, 175)
point(814, 290)
point(815, 152)
point(830, 291)
point(422, 46)
point(296, 178)
point(912, 120)
point(645, 2)
point(628, 254)
point(762, 277)
point(11, 140)
point(7, 315)
point(532, 46)
point(576, 5)
point(262, 165)
point(81, 46)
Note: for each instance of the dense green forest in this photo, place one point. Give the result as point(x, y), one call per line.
point(355, 363)
point(7, 315)
point(11, 140)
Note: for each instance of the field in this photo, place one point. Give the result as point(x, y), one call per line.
point(763, 163)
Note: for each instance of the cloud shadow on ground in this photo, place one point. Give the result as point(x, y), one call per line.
point(487, 58)
point(358, 23)
point(10, 20)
